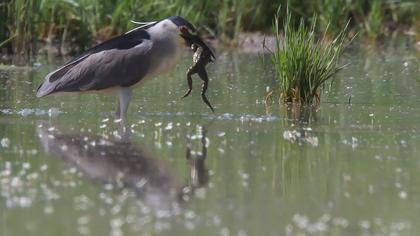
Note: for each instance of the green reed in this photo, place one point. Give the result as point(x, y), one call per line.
point(77, 24)
point(304, 62)
point(80, 22)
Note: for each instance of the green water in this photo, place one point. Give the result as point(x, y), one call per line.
point(348, 168)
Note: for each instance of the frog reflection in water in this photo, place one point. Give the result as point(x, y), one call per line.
point(202, 56)
point(125, 165)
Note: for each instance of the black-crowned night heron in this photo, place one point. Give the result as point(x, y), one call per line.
point(117, 65)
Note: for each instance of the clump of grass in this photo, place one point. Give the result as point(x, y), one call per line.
point(332, 13)
point(304, 62)
point(79, 23)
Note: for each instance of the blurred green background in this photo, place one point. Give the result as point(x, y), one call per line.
point(24, 24)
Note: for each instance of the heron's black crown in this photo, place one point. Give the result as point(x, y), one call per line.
point(179, 21)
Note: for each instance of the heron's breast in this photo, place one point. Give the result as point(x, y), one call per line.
point(167, 56)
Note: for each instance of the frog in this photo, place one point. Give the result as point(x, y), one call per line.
point(201, 57)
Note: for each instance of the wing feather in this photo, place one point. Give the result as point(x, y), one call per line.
point(84, 72)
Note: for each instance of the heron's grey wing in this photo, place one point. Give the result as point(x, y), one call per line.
point(124, 41)
point(107, 69)
point(135, 43)
point(111, 68)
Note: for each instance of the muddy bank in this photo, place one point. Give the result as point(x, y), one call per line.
point(252, 42)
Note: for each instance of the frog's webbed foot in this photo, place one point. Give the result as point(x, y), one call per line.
point(206, 101)
point(203, 75)
point(187, 93)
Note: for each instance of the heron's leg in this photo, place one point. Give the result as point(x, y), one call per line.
point(117, 110)
point(124, 97)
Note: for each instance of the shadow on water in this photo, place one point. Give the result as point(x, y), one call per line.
point(122, 164)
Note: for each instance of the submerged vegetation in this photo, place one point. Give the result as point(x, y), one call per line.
point(24, 23)
point(302, 61)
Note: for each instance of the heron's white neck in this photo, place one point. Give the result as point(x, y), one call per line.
point(167, 46)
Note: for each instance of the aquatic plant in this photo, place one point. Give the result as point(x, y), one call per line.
point(16, 27)
point(304, 62)
point(79, 22)
point(82, 22)
point(333, 14)
point(374, 20)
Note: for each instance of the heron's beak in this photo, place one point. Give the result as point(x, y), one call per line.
point(194, 39)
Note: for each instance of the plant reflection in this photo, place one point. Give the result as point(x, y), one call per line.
point(298, 115)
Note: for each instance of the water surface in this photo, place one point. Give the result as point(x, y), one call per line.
point(350, 167)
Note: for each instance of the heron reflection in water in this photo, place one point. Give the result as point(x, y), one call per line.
point(124, 164)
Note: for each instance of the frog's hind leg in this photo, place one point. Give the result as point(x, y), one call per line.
point(203, 75)
point(189, 79)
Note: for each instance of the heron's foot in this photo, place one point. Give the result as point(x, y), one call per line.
point(124, 132)
point(187, 93)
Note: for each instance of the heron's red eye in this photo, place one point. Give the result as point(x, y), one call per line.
point(184, 30)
